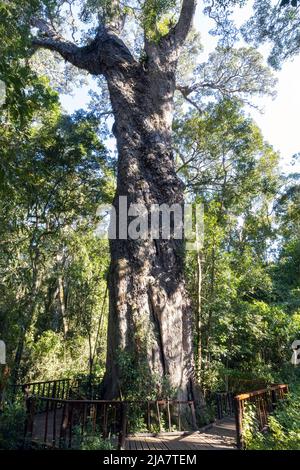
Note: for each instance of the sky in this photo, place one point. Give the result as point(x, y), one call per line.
point(280, 119)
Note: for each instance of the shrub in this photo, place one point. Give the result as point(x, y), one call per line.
point(284, 426)
point(12, 421)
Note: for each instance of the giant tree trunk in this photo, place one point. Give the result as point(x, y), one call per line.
point(149, 318)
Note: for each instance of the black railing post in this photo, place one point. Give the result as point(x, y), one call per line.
point(30, 405)
point(123, 430)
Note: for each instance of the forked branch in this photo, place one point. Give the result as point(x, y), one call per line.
point(185, 21)
point(50, 39)
point(105, 51)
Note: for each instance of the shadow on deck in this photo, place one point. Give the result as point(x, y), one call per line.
point(221, 436)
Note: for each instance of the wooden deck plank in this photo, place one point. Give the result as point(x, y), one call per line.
point(153, 442)
point(138, 443)
point(221, 436)
point(164, 444)
point(145, 445)
point(197, 442)
point(150, 443)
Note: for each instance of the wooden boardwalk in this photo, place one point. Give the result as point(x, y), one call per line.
point(221, 436)
point(65, 420)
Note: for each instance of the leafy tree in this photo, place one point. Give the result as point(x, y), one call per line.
point(141, 81)
point(286, 270)
point(228, 166)
point(54, 175)
point(277, 24)
point(141, 74)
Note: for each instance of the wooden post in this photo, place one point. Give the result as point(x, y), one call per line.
point(239, 423)
point(30, 403)
point(53, 395)
point(63, 391)
point(114, 419)
point(70, 424)
point(105, 423)
point(84, 417)
point(64, 425)
point(123, 431)
point(94, 416)
point(231, 404)
point(46, 422)
point(169, 416)
point(3, 383)
point(58, 389)
point(54, 425)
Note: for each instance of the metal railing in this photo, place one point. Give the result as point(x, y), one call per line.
point(60, 388)
point(60, 423)
point(264, 402)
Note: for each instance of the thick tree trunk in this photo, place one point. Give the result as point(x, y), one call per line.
point(150, 318)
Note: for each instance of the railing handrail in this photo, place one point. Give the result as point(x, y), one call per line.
point(94, 402)
point(66, 379)
point(264, 402)
point(246, 396)
point(109, 414)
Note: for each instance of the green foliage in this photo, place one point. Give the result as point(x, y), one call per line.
point(157, 18)
point(228, 149)
point(276, 25)
point(249, 303)
point(25, 92)
point(138, 382)
point(55, 171)
point(238, 72)
point(91, 439)
point(53, 176)
point(96, 443)
point(12, 421)
point(284, 425)
point(52, 356)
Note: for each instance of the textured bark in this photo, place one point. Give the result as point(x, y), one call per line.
point(149, 310)
point(149, 316)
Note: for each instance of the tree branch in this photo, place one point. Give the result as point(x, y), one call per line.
point(186, 91)
point(52, 40)
point(105, 51)
point(182, 28)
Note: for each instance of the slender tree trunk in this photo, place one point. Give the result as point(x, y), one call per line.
point(199, 315)
point(150, 317)
point(62, 305)
point(211, 296)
